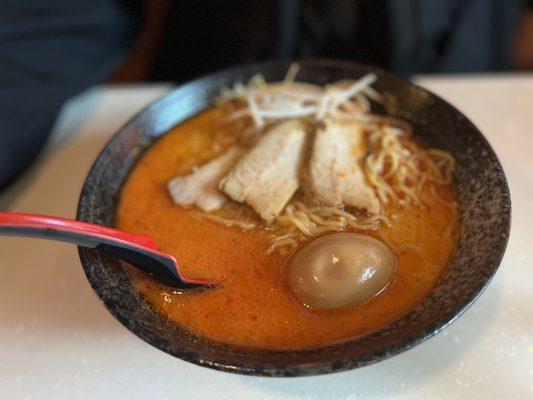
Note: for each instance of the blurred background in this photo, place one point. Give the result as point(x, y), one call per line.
point(51, 50)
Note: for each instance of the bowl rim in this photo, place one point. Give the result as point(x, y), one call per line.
point(318, 367)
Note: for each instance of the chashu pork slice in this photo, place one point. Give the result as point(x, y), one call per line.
point(200, 187)
point(267, 176)
point(336, 167)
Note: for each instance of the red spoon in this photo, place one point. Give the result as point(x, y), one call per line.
point(138, 250)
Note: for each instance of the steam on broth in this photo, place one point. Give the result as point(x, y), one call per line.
point(238, 192)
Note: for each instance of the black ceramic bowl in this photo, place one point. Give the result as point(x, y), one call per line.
point(479, 183)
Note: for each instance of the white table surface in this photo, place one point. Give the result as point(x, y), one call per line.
point(58, 341)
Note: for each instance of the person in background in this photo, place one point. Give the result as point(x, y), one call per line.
point(51, 50)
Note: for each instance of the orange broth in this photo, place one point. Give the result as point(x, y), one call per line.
point(253, 306)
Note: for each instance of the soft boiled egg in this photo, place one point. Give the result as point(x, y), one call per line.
point(340, 269)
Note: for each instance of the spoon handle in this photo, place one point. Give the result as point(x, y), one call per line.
point(138, 250)
point(62, 229)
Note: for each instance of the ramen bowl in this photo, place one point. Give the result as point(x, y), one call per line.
point(479, 183)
